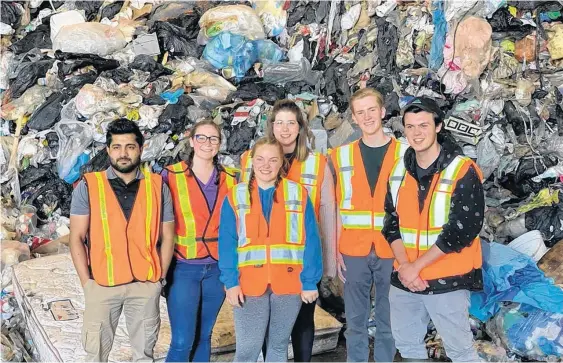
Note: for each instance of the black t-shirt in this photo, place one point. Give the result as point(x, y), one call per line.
point(421, 173)
point(373, 159)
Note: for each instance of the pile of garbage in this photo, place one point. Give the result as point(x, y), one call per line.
point(68, 68)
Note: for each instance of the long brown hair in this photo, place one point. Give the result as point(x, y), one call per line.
point(301, 149)
point(281, 173)
point(190, 158)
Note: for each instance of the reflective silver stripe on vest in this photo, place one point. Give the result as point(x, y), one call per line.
point(310, 170)
point(356, 219)
point(293, 195)
point(284, 254)
point(397, 179)
point(251, 255)
point(241, 198)
point(441, 198)
point(345, 160)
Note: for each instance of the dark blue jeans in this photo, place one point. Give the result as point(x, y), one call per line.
point(194, 301)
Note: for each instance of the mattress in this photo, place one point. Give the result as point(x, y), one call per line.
point(40, 281)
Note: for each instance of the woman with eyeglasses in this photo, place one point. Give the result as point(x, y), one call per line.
point(310, 169)
point(198, 186)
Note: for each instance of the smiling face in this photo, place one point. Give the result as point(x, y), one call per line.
point(420, 130)
point(367, 113)
point(206, 142)
point(266, 164)
point(124, 153)
point(286, 128)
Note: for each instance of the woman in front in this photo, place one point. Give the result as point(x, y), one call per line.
point(198, 187)
point(270, 254)
point(310, 169)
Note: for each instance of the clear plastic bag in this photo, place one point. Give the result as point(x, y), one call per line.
point(153, 147)
point(92, 99)
point(284, 72)
point(93, 38)
point(201, 78)
point(74, 138)
point(237, 19)
point(272, 15)
point(26, 104)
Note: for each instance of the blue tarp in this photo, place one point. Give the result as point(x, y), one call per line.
point(509, 275)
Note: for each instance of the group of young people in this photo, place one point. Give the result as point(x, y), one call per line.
point(377, 213)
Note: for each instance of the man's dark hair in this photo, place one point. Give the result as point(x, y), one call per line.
point(124, 126)
point(415, 109)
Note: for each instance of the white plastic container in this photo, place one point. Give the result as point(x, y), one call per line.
point(531, 244)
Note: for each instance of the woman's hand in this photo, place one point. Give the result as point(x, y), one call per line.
point(309, 296)
point(235, 297)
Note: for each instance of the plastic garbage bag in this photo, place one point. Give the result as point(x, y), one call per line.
point(172, 96)
point(285, 72)
point(92, 99)
point(118, 75)
point(148, 116)
point(215, 93)
point(74, 172)
point(473, 45)
point(11, 13)
point(509, 275)
point(273, 15)
point(488, 158)
point(73, 85)
point(92, 38)
point(175, 40)
point(99, 162)
point(48, 114)
point(201, 78)
point(239, 138)
point(153, 147)
point(74, 138)
point(174, 116)
point(489, 352)
point(549, 221)
point(528, 332)
point(5, 62)
point(545, 198)
point(250, 91)
point(39, 38)
point(26, 104)
point(71, 62)
point(350, 18)
point(236, 19)
point(439, 37)
point(59, 20)
point(387, 43)
point(231, 50)
point(147, 63)
point(27, 76)
point(90, 8)
point(111, 10)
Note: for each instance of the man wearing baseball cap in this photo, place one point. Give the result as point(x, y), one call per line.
point(434, 213)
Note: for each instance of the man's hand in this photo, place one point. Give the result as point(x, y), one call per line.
point(235, 297)
point(340, 266)
point(418, 285)
point(309, 296)
point(408, 272)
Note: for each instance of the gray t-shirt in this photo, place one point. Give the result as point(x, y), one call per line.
point(80, 204)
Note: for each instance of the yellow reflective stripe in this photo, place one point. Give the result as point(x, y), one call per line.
point(251, 255)
point(345, 161)
point(356, 219)
point(427, 239)
point(188, 240)
point(286, 254)
point(246, 169)
point(440, 209)
point(148, 219)
point(408, 235)
point(400, 149)
point(105, 227)
point(449, 175)
point(241, 198)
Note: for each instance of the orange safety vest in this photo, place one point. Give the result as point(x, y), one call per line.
point(120, 250)
point(270, 254)
point(361, 213)
point(419, 231)
point(309, 173)
point(196, 227)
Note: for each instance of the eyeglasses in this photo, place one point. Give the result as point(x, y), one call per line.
point(285, 123)
point(202, 139)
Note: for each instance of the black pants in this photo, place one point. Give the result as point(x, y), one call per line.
point(303, 334)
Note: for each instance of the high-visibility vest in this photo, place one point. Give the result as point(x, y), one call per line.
point(196, 227)
point(309, 173)
point(361, 213)
point(420, 230)
point(120, 250)
point(270, 253)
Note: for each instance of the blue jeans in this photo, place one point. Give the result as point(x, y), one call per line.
point(194, 301)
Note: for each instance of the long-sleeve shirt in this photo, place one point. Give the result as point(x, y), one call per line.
point(228, 243)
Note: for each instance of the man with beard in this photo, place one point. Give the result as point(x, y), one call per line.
point(434, 212)
point(121, 242)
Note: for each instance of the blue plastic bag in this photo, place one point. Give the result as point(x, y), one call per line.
point(74, 172)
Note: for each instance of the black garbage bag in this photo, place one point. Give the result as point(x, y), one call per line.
point(99, 162)
point(72, 85)
point(45, 191)
point(549, 221)
point(10, 14)
point(265, 91)
point(32, 175)
point(118, 75)
point(48, 114)
point(503, 21)
point(70, 62)
point(531, 167)
point(303, 14)
point(90, 7)
point(533, 4)
point(297, 87)
point(387, 43)
point(146, 63)
point(28, 76)
point(111, 10)
point(52, 142)
point(189, 22)
point(239, 138)
point(176, 115)
point(153, 100)
point(175, 40)
point(39, 38)
point(519, 120)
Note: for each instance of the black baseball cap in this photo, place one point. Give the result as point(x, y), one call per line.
point(426, 104)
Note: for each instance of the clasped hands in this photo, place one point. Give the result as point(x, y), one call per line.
point(409, 275)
